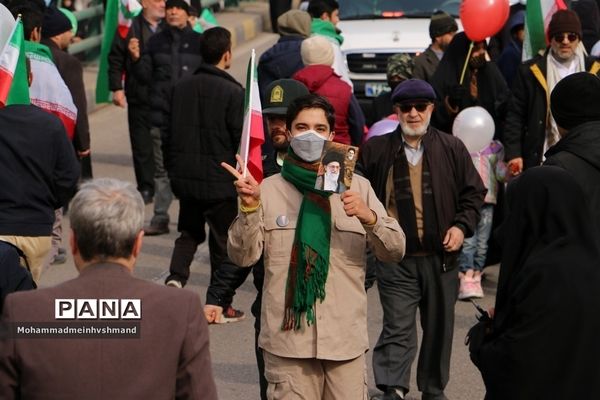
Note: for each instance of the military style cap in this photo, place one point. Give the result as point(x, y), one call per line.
point(280, 94)
point(400, 65)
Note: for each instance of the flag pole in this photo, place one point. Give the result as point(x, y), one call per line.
point(249, 88)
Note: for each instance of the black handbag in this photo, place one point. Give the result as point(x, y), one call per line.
point(13, 277)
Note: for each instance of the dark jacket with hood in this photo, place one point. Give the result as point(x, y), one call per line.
point(528, 111)
point(579, 153)
point(283, 59)
point(206, 126)
point(169, 56)
point(120, 62)
point(511, 55)
point(493, 93)
point(458, 191)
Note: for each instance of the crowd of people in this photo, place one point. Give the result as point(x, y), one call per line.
point(417, 215)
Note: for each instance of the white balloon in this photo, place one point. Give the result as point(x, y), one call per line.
point(475, 127)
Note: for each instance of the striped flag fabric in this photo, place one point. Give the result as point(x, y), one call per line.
point(128, 10)
point(253, 135)
point(117, 18)
point(538, 15)
point(48, 90)
point(14, 87)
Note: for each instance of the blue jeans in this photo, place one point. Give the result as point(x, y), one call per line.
point(474, 249)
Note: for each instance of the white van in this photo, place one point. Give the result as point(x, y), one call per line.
point(373, 30)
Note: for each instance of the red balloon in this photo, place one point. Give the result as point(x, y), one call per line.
point(483, 18)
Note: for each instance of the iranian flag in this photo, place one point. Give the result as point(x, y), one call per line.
point(538, 15)
point(13, 70)
point(117, 20)
point(48, 90)
point(253, 135)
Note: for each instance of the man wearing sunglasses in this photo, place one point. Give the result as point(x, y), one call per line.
point(425, 178)
point(530, 128)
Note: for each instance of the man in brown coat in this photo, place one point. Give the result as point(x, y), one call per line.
point(169, 358)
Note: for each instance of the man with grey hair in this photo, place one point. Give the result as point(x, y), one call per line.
point(106, 239)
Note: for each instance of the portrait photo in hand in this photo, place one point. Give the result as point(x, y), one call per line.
point(337, 167)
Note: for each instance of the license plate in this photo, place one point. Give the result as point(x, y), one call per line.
point(374, 89)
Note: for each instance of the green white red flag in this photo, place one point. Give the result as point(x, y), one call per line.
point(14, 87)
point(117, 18)
point(253, 135)
point(538, 16)
point(48, 90)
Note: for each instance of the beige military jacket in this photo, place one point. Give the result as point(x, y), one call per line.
point(340, 331)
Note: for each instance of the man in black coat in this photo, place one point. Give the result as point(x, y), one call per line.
point(574, 102)
point(40, 174)
point(207, 113)
point(120, 64)
point(56, 34)
point(426, 180)
point(530, 129)
point(169, 55)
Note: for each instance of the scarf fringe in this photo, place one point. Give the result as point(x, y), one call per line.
point(309, 287)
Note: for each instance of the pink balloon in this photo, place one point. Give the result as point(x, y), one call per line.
point(483, 18)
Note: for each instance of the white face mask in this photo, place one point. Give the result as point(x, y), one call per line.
point(308, 145)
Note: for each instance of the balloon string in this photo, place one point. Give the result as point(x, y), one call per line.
point(462, 76)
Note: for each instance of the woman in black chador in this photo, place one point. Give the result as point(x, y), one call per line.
point(544, 340)
point(483, 85)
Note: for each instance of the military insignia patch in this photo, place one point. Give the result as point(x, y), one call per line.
point(277, 94)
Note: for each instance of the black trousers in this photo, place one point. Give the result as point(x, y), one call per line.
point(416, 282)
point(193, 215)
point(141, 146)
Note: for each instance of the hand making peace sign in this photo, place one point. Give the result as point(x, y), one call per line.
point(247, 188)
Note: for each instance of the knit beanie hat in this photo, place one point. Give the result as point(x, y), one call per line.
point(440, 24)
point(317, 50)
point(294, 22)
point(179, 4)
point(55, 22)
point(564, 21)
point(575, 100)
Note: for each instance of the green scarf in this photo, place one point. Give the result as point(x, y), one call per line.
point(309, 263)
point(325, 28)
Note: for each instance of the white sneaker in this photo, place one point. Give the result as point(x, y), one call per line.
point(470, 288)
point(174, 283)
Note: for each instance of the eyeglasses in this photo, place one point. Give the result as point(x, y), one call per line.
point(420, 107)
point(560, 37)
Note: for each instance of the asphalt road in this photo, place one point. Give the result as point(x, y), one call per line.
point(232, 345)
